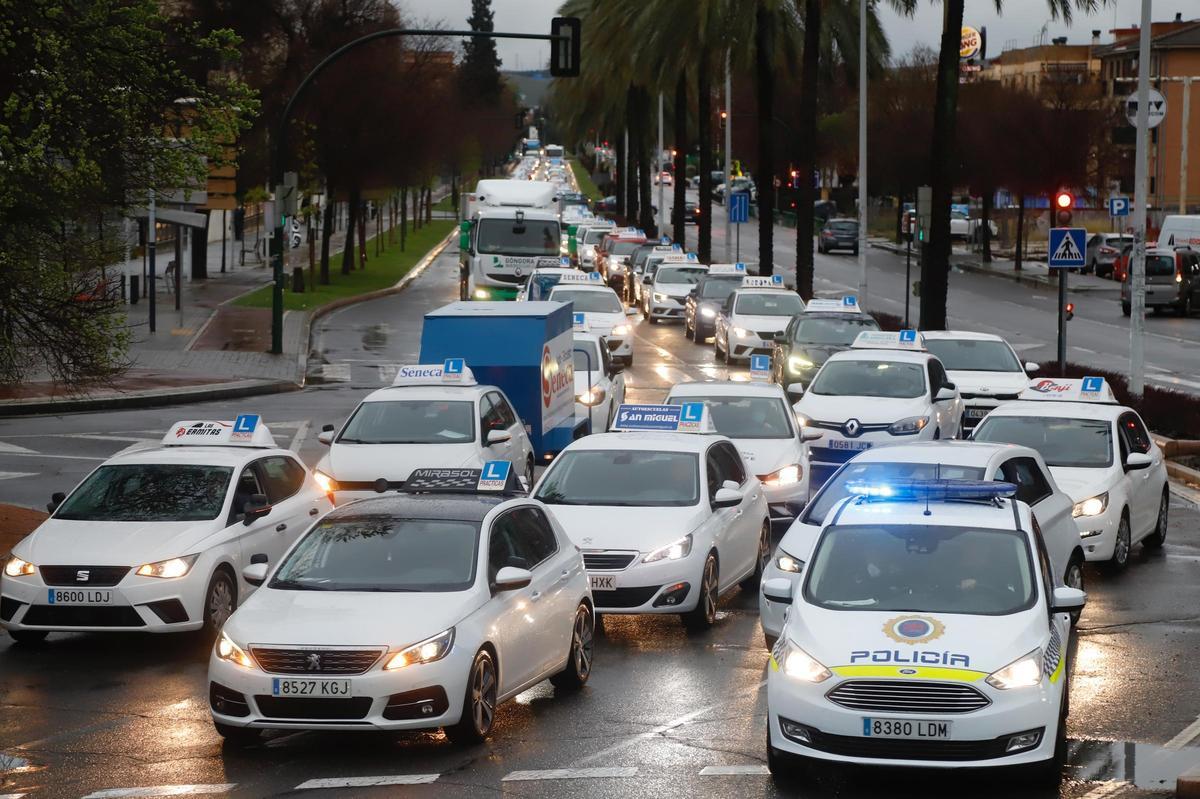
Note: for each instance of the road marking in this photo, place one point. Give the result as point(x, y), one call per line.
point(339, 372)
point(11, 795)
point(1105, 789)
point(298, 439)
point(571, 774)
point(163, 790)
point(14, 476)
point(1185, 736)
point(734, 771)
point(13, 449)
point(367, 782)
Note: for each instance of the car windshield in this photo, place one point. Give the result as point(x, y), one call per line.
point(149, 492)
point(1062, 442)
point(680, 275)
point(411, 422)
point(588, 301)
point(745, 417)
point(585, 351)
point(625, 478)
point(382, 553)
point(595, 235)
point(970, 355)
point(719, 288)
point(859, 474)
point(506, 237)
point(773, 303)
point(819, 331)
point(621, 247)
point(917, 568)
point(1160, 265)
point(854, 378)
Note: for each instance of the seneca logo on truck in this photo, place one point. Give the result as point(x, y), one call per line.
point(555, 376)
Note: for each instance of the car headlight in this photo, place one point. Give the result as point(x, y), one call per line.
point(708, 313)
point(426, 651)
point(798, 664)
point(660, 297)
point(672, 551)
point(786, 563)
point(592, 397)
point(788, 475)
point(168, 569)
point(1092, 506)
point(620, 330)
point(326, 483)
point(1025, 672)
point(909, 426)
point(228, 651)
point(798, 364)
point(740, 332)
point(19, 568)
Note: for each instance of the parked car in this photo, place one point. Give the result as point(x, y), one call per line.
point(1172, 281)
point(1103, 250)
point(718, 177)
point(962, 226)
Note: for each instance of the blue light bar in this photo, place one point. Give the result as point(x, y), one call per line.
point(931, 490)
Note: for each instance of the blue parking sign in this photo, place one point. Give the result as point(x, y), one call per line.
point(1118, 206)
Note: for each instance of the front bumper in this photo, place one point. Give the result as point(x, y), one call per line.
point(786, 501)
point(745, 346)
point(666, 586)
point(671, 308)
point(1098, 534)
point(136, 604)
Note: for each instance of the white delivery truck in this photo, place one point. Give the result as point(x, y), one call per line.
point(1179, 230)
point(509, 228)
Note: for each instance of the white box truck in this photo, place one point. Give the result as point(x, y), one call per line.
point(509, 228)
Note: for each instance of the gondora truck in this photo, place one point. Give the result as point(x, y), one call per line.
point(509, 228)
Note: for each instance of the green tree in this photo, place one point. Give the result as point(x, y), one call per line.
point(480, 70)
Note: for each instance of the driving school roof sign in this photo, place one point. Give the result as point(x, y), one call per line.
point(1084, 389)
point(690, 417)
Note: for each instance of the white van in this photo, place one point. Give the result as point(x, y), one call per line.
point(1179, 230)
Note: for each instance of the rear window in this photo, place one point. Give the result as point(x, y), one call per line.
point(1160, 265)
point(847, 225)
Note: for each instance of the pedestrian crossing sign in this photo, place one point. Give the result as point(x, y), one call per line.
point(1067, 246)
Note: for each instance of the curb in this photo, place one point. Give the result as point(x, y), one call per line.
point(1187, 785)
point(152, 398)
point(1016, 277)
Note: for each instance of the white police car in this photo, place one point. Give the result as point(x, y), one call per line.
point(431, 414)
point(664, 297)
point(599, 384)
point(929, 631)
point(1102, 455)
point(668, 520)
point(155, 539)
point(414, 611)
point(983, 367)
point(758, 419)
point(601, 309)
point(886, 389)
point(753, 317)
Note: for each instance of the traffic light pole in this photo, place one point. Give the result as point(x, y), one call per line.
point(1062, 322)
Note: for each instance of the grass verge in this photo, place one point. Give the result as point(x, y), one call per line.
point(586, 184)
point(381, 272)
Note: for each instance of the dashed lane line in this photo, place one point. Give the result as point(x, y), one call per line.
point(735, 771)
point(571, 773)
point(163, 790)
point(368, 782)
point(301, 433)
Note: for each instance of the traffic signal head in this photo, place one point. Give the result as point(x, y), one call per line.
point(1064, 201)
point(1070, 311)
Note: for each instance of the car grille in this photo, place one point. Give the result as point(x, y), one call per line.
point(767, 335)
point(907, 696)
point(827, 455)
point(82, 616)
point(97, 576)
point(900, 749)
point(278, 707)
point(332, 661)
point(624, 597)
point(607, 561)
point(997, 397)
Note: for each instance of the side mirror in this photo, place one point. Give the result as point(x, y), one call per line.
point(1030, 366)
point(727, 498)
point(631, 311)
point(780, 335)
point(1067, 599)
point(255, 573)
point(498, 437)
point(56, 499)
point(260, 557)
point(327, 428)
point(795, 388)
point(615, 368)
point(256, 507)
point(510, 578)
point(945, 393)
point(778, 589)
point(810, 434)
point(325, 437)
point(1138, 460)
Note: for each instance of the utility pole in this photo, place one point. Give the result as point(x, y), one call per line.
point(1183, 145)
point(706, 202)
point(1137, 272)
point(862, 153)
point(152, 257)
point(658, 166)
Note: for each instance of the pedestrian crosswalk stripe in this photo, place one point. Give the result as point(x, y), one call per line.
point(734, 771)
point(367, 782)
point(12, 449)
point(163, 790)
point(339, 372)
point(571, 774)
point(14, 476)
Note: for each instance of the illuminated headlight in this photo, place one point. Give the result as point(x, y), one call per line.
point(168, 569)
point(798, 364)
point(620, 330)
point(660, 297)
point(327, 483)
point(803, 420)
point(481, 294)
point(740, 332)
point(1023, 673)
point(426, 651)
point(673, 551)
point(910, 426)
point(1092, 506)
point(592, 397)
point(19, 568)
point(786, 563)
point(708, 313)
point(788, 475)
point(230, 652)
point(798, 664)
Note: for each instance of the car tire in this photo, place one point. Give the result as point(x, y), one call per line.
point(704, 615)
point(689, 332)
point(29, 637)
point(763, 557)
point(1073, 578)
point(1159, 537)
point(1121, 548)
point(479, 703)
point(238, 736)
point(220, 601)
point(579, 658)
point(787, 770)
point(650, 318)
point(1126, 309)
point(529, 472)
point(1185, 305)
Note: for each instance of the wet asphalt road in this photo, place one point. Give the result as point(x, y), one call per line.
point(86, 713)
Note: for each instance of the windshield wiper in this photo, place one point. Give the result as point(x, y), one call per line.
point(292, 585)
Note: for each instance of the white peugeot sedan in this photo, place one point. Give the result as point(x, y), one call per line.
point(602, 312)
point(758, 419)
point(668, 519)
point(929, 631)
point(927, 460)
point(1102, 455)
point(599, 384)
point(885, 390)
point(431, 415)
point(983, 367)
point(753, 317)
point(664, 298)
point(408, 612)
point(154, 540)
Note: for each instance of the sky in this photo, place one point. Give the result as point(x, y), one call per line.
point(1020, 25)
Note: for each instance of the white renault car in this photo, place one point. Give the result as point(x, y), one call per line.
point(415, 611)
point(929, 631)
point(758, 419)
point(155, 539)
point(667, 515)
point(602, 312)
point(666, 294)
point(885, 390)
point(984, 368)
point(1101, 454)
point(958, 460)
point(753, 317)
point(431, 414)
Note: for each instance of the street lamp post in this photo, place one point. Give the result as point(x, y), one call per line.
point(862, 153)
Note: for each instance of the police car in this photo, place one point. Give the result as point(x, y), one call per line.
point(929, 630)
point(663, 297)
point(705, 301)
point(885, 390)
point(759, 420)
point(753, 317)
point(668, 517)
point(155, 539)
point(643, 282)
point(601, 309)
point(599, 384)
point(1102, 455)
point(984, 367)
point(959, 460)
point(431, 414)
point(826, 326)
point(413, 611)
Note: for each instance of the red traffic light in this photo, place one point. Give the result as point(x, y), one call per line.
point(1064, 199)
point(1070, 311)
